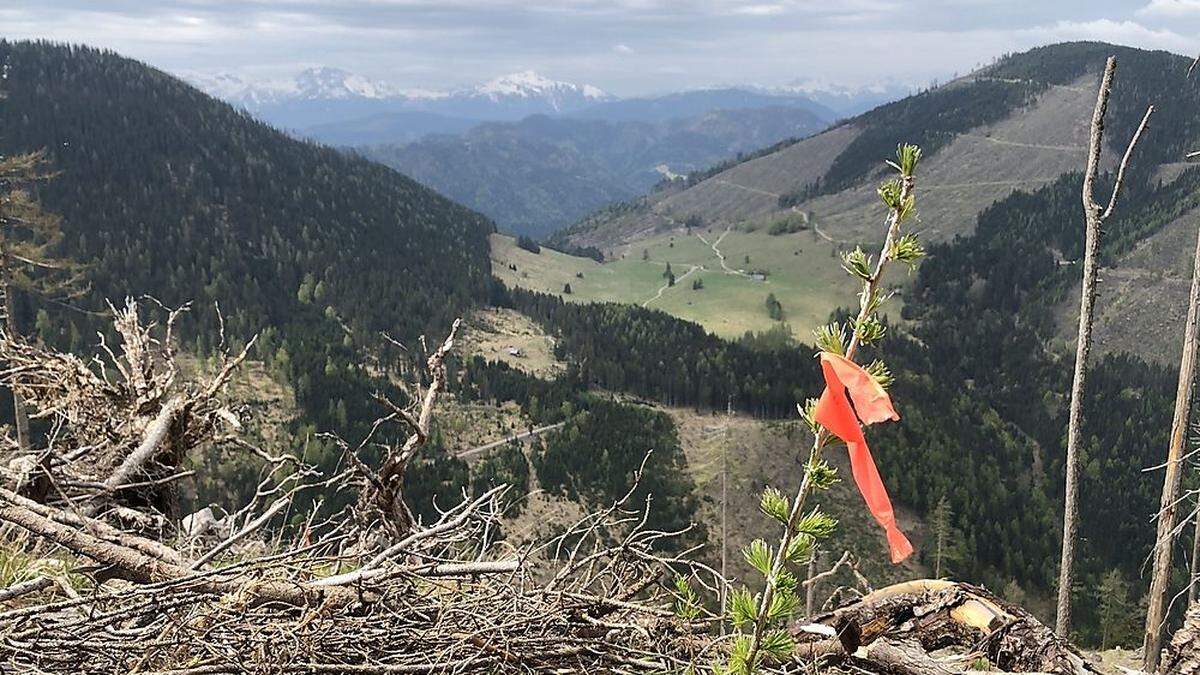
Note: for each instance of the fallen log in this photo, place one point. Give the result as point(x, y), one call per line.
point(127, 562)
point(894, 630)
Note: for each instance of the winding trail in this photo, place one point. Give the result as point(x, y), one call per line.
point(990, 183)
point(721, 181)
point(821, 234)
point(1014, 80)
point(667, 285)
point(721, 256)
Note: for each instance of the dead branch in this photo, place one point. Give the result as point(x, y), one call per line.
point(382, 502)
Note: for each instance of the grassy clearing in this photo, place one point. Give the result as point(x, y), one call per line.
point(802, 270)
point(499, 334)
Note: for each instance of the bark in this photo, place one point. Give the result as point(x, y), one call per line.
point(20, 415)
point(129, 563)
point(1083, 348)
point(897, 627)
point(1182, 656)
point(1094, 217)
point(1155, 613)
point(1194, 581)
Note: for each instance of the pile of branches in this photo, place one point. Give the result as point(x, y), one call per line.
point(291, 611)
point(116, 581)
point(367, 589)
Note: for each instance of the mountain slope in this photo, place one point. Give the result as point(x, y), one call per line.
point(405, 126)
point(164, 190)
point(542, 173)
point(831, 176)
point(1015, 126)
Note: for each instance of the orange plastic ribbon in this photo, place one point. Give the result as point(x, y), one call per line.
point(872, 404)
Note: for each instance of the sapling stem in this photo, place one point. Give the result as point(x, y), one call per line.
point(867, 305)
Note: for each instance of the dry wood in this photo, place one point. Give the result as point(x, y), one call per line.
point(340, 596)
point(383, 502)
point(1155, 614)
point(1182, 656)
point(1094, 217)
point(936, 615)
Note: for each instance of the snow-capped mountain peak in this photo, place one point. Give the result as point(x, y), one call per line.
point(319, 94)
point(530, 84)
point(335, 83)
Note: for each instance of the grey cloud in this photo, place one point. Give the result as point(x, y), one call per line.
point(627, 46)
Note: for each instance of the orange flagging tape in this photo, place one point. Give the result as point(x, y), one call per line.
point(871, 403)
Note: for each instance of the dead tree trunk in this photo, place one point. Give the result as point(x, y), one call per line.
point(1094, 217)
point(1170, 495)
point(20, 415)
point(383, 501)
point(1194, 572)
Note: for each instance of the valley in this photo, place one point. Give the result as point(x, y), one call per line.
point(658, 354)
point(747, 453)
point(794, 267)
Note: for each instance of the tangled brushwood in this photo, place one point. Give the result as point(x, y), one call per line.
point(106, 577)
point(368, 589)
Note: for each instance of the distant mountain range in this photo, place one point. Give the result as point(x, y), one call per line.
point(534, 153)
point(343, 108)
point(544, 173)
point(319, 97)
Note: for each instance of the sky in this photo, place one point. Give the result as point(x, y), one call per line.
point(627, 47)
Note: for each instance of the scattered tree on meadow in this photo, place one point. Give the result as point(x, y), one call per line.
point(529, 244)
point(774, 307)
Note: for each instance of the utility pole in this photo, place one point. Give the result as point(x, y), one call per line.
point(1152, 645)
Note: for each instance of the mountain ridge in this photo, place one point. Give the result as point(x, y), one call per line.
point(322, 97)
point(842, 158)
point(542, 173)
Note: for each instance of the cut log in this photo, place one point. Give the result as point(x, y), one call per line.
point(934, 615)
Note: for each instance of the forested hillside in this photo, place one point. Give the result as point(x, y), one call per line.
point(166, 191)
point(543, 173)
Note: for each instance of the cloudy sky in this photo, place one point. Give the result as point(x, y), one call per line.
point(625, 46)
